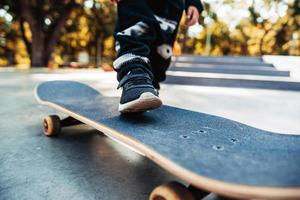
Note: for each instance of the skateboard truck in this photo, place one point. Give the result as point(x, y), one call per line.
point(178, 191)
point(52, 124)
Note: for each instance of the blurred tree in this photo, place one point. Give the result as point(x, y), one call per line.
point(273, 34)
point(88, 29)
point(7, 34)
point(45, 19)
point(59, 29)
point(102, 18)
point(255, 27)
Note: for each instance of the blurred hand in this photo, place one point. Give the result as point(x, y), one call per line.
point(115, 1)
point(192, 16)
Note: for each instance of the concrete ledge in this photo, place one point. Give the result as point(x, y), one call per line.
point(239, 81)
point(219, 59)
point(233, 70)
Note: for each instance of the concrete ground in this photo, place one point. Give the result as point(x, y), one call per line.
point(83, 164)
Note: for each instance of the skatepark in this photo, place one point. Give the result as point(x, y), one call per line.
point(85, 116)
point(84, 164)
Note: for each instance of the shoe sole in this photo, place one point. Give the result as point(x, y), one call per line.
point(147, 101)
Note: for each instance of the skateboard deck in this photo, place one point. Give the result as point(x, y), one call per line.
point(209, 152)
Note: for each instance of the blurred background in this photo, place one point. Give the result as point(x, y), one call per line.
point(241, 62)
point(78, 33)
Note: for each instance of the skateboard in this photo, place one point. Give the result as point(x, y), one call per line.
point(209, 153)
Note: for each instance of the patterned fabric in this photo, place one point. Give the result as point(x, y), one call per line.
point(129, 58)
point(145, 34)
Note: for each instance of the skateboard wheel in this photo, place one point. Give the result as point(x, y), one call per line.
point(171, 191)
point(51, 125)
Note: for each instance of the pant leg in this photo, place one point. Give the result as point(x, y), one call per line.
point(136, 31)
point(169, 17)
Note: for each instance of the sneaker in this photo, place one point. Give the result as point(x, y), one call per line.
point(138, 93)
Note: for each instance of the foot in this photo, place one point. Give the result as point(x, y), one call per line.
point(138, 93)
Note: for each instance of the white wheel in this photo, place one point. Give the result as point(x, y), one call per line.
point(51, 125)
point(171, 191)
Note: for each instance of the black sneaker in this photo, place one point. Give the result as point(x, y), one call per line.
point(138, 93)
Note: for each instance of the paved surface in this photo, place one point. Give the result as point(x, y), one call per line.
point(290, 63)
point(77, 165)
point(82, 165)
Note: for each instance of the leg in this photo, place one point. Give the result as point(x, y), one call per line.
point(137, 29)
point(161, 51)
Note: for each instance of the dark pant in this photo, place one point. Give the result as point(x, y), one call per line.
point(145, 33)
